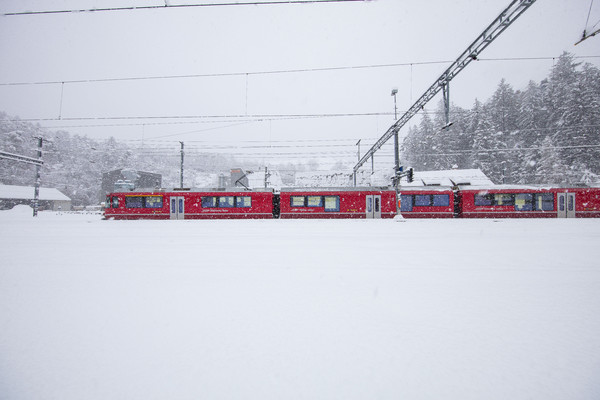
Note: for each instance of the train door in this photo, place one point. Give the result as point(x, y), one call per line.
point(373, 206)
point(177, 209)
point(566, 205)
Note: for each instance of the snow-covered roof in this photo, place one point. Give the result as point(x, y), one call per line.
point(27, 193)
point(449, 177)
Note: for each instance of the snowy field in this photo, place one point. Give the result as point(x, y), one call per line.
point(418, 309)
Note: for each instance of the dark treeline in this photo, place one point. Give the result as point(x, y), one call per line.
point(549, 132)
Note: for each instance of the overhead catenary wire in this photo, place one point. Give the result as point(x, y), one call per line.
point(281, 71)
point(176, 6)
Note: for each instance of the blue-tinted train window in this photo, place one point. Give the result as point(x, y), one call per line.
point(523, 202)
point(314, 201)
point(332, 203)
point(483, 200)
point(406, 202)
point(154, 202)
point(544, 201)
point(441, 200)
point(422, 200)
point(243, 201)
point(134, 202)
point(297, 201)
point(209, 202)
point(226, 201)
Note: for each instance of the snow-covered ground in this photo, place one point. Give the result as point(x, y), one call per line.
point(418, 309)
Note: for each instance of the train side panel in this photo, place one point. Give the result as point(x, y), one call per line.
point(525, 202)
point(189, 205)
point(510, 202)
point(427, 203)
point(142, 205)
point(229, 205)
point(587, 202)
point(295, 204)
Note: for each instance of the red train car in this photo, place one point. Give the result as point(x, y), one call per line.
point(428, 202)
point(367, 202)
point(529, 202)
point(190, 204)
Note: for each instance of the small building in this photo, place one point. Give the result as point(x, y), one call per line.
point(49, 198)
point(122, 180)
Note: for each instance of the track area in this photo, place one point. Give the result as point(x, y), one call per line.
point(298, 309)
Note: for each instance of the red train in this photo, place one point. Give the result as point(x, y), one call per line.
point(370, 202)
point(500, 202)
point(252, 204)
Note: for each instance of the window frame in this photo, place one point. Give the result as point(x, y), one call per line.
point(539, 199)
point(294, 205)
point(242, 203)
point(528, 204)
point(224, 202)
point(337, 203)
point(416, 202)
point(308, 201)
point(445, 197)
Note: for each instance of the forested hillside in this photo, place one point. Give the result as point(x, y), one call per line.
point(548, 132)
point(74, 164)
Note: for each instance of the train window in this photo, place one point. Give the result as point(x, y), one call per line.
point(154, 202)
point(544, 202)
point(422, 200)
point(209, 202)
point(332, 203)
point(484, 199)
point(226, 201)
point(441, 200)
point(243, 201)
point(134, 202)
point(504, 199)
point(523, 202)
point(406, 202)
point(141, 202)
point(314, 201)
point(297, 201)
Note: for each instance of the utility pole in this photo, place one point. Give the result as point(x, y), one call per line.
point(38, 168)
point(358, 154)
point(181, 174)
point(396, 144)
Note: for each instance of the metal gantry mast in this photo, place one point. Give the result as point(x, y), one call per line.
point(503, 21)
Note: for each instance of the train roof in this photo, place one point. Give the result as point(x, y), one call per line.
point(195, 190)
point(523, 187)
point(337, 189)
point(432, 188)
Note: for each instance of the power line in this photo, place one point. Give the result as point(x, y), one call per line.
point(166, 6)
point(272, 72)
point(254, 117)
point(224, 74)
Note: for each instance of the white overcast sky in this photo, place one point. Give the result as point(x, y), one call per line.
point(250, 39)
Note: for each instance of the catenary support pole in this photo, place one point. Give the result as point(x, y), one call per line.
point(181, 173)
point(38, 169)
